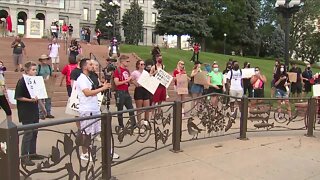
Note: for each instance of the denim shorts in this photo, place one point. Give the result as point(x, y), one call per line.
point(281, 94)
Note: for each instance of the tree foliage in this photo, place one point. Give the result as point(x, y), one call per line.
point(132, 23)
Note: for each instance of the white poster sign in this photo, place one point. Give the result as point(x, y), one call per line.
point(72, 107)
point(36, 87)
point(11, 99)
point(150, 83)
point(316, 90)
point(248, 72)
point(164, 78)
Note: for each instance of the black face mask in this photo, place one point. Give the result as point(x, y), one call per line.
point(308, 68)
point(236, 67)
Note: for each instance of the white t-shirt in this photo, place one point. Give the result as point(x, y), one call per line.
point(236, 80)
point(54, 50)
point(89, 103)
point(53, 28)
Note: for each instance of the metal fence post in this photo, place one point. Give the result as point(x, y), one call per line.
point(244, 118)
point(176, 126)
point(106, 132)
point(9, 151)
point(311, 116)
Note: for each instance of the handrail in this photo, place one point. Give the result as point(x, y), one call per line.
point(211, 94)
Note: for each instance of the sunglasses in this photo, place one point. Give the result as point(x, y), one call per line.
point(182, 64)
point(142, 64)
point(127, 61)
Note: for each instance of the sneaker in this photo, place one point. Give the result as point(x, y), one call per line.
point(115, 156)
point(86, 157)
point(50, 116)
point(27, 162)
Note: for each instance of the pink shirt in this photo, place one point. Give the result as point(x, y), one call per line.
point(136, 75)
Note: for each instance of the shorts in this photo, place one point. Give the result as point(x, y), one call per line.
point(140, 93)
point(70, 33)
point(160, 94)
point(214, 90)
point(196, 89)
point(236, 93)
point(17, 59)
point(281, 93)
point(91, 127)
point(296, 88)
point(55, 60)
point(258, 93)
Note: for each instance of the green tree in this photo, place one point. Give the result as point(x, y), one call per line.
point(132, 23)
point(276, 47)
point(182, 17)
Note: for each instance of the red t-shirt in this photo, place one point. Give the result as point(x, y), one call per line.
point(123, 75)
point(196, 48)
point(67, 72)
point(65, 28)
point(175, 72)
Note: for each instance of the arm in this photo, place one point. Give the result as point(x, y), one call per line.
point(13, 44)
point(153, 71)
point(62, 80)
point(263, 78)
point(194, 72)
point(88, 92)
point(24, 51)
point(27, 99)
point(118, 83)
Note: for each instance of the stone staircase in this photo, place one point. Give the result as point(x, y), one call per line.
point(36, 47)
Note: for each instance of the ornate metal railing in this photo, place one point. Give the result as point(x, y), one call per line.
point(169, 124)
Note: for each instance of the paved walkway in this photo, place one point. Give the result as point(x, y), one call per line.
point(268, 155)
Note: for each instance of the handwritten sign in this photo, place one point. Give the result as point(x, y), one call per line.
point(72, 107)
point(292, 76)
point(164, 78)
point(35, 86)
point(201, 78)
point(248, 72)
point(182, 84)
point(316, 90)
point(150, 83)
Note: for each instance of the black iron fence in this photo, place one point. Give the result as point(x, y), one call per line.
point(167, 125)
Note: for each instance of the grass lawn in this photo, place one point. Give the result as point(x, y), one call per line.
point(172, 56)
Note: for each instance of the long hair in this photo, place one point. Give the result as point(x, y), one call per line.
point(278, 72)
point(179, 62)
point(138, 64)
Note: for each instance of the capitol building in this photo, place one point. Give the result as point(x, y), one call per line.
point(79, 13)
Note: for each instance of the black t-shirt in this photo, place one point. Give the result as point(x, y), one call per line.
point(74, 52)
point(298, 71)
point(307, 74)
point(95, 79)
point(28, 112)
point(75, 74)
point(70, 28)
point(17, 49)
point(281, 84)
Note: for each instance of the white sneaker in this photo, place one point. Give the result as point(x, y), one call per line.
point(98, 138)
point(86, 157)
point(116, 156)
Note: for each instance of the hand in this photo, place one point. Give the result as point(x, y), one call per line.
point(106, 85)
point(34, 99)
point(129, 79)
point(283, 77)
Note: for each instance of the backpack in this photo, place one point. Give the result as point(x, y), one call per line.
point(39, 67)
point(113, 84)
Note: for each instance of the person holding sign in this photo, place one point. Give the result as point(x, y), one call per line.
point(141, 95)
point(178, 82)
point(196, 89)
point(296, 87)
point(28, 113)
point(215, 82)
point(161, 93)
point(88, 102)
point(122, 81)
point(234, 86)
point(246, 81)
point(258, 80)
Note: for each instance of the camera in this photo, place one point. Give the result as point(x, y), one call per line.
point(108, 70)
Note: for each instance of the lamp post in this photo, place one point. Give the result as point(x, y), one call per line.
point(224, 43)
point(287, 8)
point(115, 4)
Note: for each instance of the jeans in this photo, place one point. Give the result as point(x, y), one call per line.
point(29, 141)
point(123, 98)
point(47, 104)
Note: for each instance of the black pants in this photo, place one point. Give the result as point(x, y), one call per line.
point(29, 140)
point(194, 56)
point(5, 105)
point(69, 90)
point(247, 87)
point(98, 39)
point(123, 98)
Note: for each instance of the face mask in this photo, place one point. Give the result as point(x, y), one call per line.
point(159, 61)
point(215, 69)
point(308, 68)
point(257, 72)
point(281, 69)
point(236, 67)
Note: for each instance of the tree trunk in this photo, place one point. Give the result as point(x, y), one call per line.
point(179, 41)
point(203, 44)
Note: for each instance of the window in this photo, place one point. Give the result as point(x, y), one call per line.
point(86, 14)
point(97, 13)
point(62, 4)
point(154, 18)
point(154, 38)
point(141, 37)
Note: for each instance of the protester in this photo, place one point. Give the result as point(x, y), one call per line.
point(54, 54)
point(70, 29)
point(307, 79)
point(87, 35)
point(66, 72)
point(93, 74)
point(88, 103)
point(82, 34)
point(179, 71)
point(28, 113)
point(54, 30)
point(196, 89)
point(155, 51)
point(98, 34)
point(282, 84)
point(160, 95)
point(141, 95)
point(75, 49)
point(215, 82)
point(3, 100)
point(196, 50)
point(296, 87)
point(122, 81)
point(64, 30)
point(18, 47)
point(257, 81)
point(3, 27)
point(45, 70)
point(234, 79)
point(273, 89)
point(247, 87)
point(114, 50)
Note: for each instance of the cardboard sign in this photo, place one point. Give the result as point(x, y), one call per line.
point(201, 78)
point(316, 90)
point(292, 76)
point(50, 85)
point(150, 83)
point(164, 78)
point(248, 72)
point(182, 84)
point(10, 94)
point(72, 107)
point(35, 86)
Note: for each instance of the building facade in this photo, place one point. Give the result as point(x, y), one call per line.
point(79, 13)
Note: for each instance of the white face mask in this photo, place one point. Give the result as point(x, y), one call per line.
point(257, 72)
point(281, 69)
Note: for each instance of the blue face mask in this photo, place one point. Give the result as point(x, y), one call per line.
point(207, 68)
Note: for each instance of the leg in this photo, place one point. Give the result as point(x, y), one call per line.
point(139, 105)
point(6, 107)
point(48, 106)
point(128, 105)
point(120, 102)
point(146, 103)
point(69, 90)
point(26, 143)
